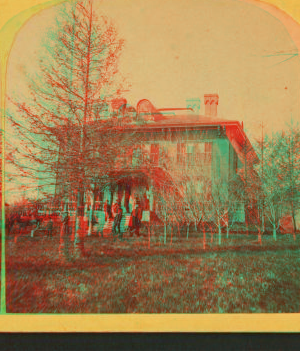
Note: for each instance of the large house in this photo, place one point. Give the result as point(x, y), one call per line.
point(178, 146)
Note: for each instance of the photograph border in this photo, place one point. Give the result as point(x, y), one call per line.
point(14, 14)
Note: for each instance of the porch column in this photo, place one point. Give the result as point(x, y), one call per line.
point(106, 195)
point(150, 197)
point(120, 193)
point(127, 196)
point(91, 213)
point(112, 195)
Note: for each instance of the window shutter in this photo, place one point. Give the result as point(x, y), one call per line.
point(181, 153)
point(208, 147)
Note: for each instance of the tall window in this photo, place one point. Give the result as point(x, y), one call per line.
point(199, 154)
point(208, 150)
point(194, 154)
point(207, 162)
point(136, 157)
point(203, 153)
point(190, 155)
point(181, 154)
point(154, 154)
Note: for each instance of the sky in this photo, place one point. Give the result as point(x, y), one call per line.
point(177, 50)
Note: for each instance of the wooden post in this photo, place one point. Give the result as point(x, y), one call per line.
point(149, 231)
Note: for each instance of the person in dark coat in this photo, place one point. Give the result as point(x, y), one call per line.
point(136, 217)
point(107, 210)
point(115, 208)
point(117, 222)
point(65, 223)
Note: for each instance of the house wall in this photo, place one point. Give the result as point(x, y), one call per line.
point(221, 159)
point(224, 162)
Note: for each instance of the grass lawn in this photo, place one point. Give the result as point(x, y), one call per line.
point(127, 277)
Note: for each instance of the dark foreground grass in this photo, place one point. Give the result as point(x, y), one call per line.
point(127, 277)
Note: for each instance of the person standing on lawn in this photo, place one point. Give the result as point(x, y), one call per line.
point(117, 222)
point(107, 210)
point(115, 207)
point(136, 216)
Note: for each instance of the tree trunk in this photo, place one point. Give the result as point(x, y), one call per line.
point(204, 236)
point(274, 232)
point(246, 219)
point(149, 234)
point(78, 242)
point(63, 249)
point(91, 214)
point(18, 231)
point(74, 226)
point(263, 221)
point(227, 231)
point(171, 234)
point(187, 231)
point(111, 196)
point(165, 233)
point(259, 236)
point(74, 221)
point(220, 238)
point(294, 220)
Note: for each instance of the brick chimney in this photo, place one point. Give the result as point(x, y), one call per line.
point(211, 102)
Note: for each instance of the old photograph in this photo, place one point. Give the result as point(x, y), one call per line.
point(152, 159)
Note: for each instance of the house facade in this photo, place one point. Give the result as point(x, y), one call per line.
point(181, 152)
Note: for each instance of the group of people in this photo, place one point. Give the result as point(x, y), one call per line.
point(115, 212)
point(46, 222)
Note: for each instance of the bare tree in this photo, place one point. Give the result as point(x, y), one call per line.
point(219, 204)
point(263, 187)
point(186, 182)
point(54, 142)
point(286, 154)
